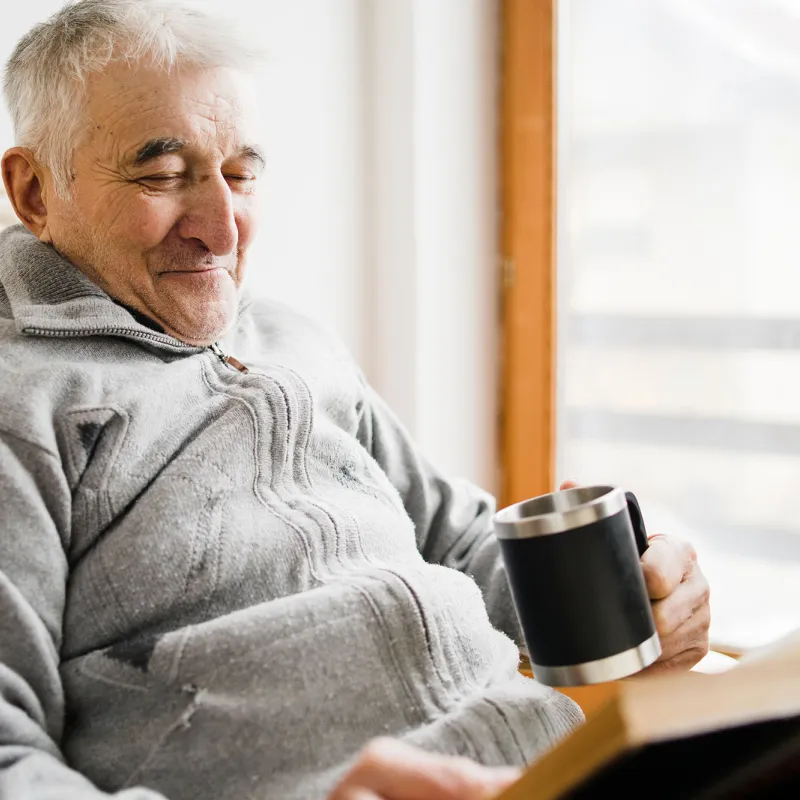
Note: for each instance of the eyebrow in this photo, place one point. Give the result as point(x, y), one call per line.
point(156, 148)
point(252, 152)
point(163, 146)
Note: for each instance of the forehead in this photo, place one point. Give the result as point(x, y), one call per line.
point(127, 106)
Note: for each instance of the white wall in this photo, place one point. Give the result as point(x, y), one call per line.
point(379, 201)
point(434, 225)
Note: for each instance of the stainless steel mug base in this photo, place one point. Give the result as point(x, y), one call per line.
point(612, 668)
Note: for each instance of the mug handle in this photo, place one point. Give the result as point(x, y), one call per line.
point(637, 522)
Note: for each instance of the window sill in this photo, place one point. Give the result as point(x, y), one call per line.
point(754, 601)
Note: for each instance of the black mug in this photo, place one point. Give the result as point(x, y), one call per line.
point(573, 564)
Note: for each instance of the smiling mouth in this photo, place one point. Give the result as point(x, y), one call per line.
point(195, 271)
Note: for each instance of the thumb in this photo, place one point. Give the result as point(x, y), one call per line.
point(568, 485)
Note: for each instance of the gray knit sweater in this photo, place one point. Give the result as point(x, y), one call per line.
point(217, 584)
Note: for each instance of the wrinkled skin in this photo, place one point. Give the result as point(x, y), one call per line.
point(162, 228)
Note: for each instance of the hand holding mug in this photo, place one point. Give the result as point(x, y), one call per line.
point(679, 596)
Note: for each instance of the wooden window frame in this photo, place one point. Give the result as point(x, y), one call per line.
point(527, 240)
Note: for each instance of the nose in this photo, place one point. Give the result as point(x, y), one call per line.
point(210, 218)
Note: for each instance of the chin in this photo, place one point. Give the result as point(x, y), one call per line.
point(201, 331)
point(202, 320)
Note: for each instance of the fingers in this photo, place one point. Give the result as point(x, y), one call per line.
point(665, 563)
point(688, 598)
point(391, 770)
point(568, 485)
point(682, 620)
point(356, 793)
point(684, 647)
point(680, 601)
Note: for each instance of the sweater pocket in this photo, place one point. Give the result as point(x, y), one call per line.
point(157, 565)
point(245, 705)
point(120, 704)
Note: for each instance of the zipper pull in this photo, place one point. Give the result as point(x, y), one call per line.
point(229, 360)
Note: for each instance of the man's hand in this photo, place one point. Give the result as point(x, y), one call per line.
point(679, 596)
point(391, 770)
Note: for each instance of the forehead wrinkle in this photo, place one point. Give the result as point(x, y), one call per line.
point(203, 121)
point(125, 109)
point(128, 145)
point(112, 134)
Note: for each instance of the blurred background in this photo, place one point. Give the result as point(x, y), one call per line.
point(677, 249)
point(679, 280)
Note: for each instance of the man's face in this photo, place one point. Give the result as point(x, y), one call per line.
point(163, 202)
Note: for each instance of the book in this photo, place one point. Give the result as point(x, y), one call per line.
point(700, 737)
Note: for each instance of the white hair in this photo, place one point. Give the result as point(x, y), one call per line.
point(45, 77)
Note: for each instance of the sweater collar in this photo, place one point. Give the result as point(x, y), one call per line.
point(33, 273)
point(46, 295)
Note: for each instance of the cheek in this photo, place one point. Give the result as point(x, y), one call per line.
point(148, 220)
point(247, 219)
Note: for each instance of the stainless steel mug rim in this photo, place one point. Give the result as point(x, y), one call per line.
point(559, 511)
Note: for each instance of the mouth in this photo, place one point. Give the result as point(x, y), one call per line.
point(201, 279)
point(194, 271)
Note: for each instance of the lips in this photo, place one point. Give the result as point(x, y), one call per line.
point(197, 271)
point(209, 279)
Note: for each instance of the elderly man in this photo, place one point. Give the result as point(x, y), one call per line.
point(224, 567)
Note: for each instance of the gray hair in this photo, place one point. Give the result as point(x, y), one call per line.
point(46, 75)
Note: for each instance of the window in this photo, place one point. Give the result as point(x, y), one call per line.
point(679, 281)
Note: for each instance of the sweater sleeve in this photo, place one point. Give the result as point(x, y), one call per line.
point(452, 517)
point(35, 508)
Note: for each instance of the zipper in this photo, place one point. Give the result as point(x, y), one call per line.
point(123, 333)
point(132, 333)
point(226, 359)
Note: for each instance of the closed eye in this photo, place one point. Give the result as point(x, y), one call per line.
point(164, 181)
point(158, 178)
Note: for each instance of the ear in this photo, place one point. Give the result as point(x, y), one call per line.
point(24, 179)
